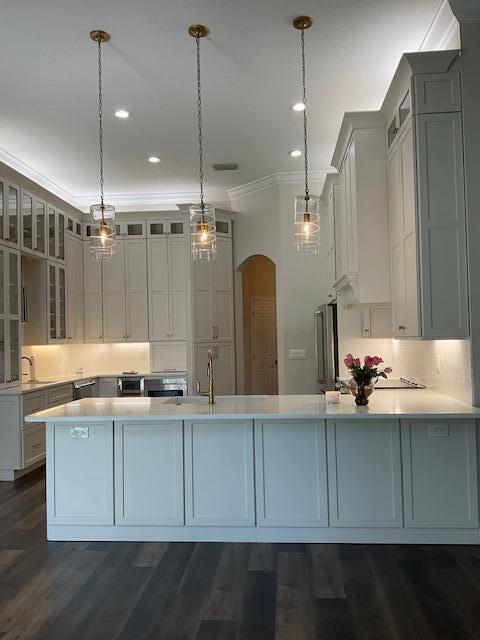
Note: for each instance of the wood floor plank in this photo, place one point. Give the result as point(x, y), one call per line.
point(370, 610)
point(333, 620)
point(151, 553)
point(326, 571)
point(217, 630)
point(294, 609)
point(263, 557)
point(258, 611)
point(147, 617)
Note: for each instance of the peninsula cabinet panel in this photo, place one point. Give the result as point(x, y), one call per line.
point(291, 473)
point(80, 473)
point(219, 474)
point(149, 473)
point(364, 473)
point(440, 474)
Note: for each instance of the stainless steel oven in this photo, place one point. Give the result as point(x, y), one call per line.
point(130, 386)
point(166, 387)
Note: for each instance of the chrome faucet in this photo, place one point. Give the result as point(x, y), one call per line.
point(31, 374)
point(210, 375)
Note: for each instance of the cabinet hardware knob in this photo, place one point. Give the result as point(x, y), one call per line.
point(401, 327)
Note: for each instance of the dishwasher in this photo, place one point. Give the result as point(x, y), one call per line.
point(84, 389)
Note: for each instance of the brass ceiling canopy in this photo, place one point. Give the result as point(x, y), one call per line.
point(198, 30)
point(302, 22)
point(97, 35)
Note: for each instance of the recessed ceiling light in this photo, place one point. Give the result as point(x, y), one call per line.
point(296, 153)
point(122, 114)
point(154, 159)
point(298, 106)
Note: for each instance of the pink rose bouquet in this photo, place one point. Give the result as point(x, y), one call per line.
point(363, 375)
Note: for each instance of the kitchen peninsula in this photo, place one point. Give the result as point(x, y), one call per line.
point(263, 468)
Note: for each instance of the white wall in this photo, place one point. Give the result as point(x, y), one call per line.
point(264, 225)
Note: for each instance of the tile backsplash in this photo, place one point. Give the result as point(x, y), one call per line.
point(57, 360)
point(442, 365)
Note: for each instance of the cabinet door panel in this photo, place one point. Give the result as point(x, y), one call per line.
point(291, 473)
point(149, 473)
point(159, 316)
point(178, 261)
point(440, 474)
point(222, 265)
point(364, 474)
point(412, 300)
point(394, 200)
point(203, 319)
point(441, 212)
point(219, 473)
point(80, 473)
point(114, 303)
point(178, 320)
point(92, 270)
point(158, 264)
point(201, 275)
point(398, 290)
point(224, 315)
point(407, 177)
point(136, 290)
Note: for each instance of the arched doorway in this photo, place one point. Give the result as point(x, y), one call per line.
point(259, 325)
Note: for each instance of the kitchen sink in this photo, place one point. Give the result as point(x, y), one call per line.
point(218, 399)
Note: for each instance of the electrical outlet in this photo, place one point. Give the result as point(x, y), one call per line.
point(438, 362)
point(438, 431)
point(297, 354)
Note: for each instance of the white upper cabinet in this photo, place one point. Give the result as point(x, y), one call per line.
point(57, 303)
point(168, 263)
point(426, 198)
point(9, 212)
point(92, 271)
point(9, 316)
point(114, 299)
point(56, 225)
point(136, 290)
point(213, 295)
point(75, 286)
point(362, 262)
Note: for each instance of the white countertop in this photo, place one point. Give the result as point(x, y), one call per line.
point(403, 403)
point(55, 381)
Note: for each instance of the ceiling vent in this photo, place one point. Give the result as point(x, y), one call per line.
point(226, 166)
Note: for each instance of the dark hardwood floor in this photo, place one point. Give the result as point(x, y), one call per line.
point(130, 591)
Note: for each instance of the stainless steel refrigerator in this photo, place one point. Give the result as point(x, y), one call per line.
point(326, 346)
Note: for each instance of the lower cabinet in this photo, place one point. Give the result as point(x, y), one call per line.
point(364, 473)
point(291, 473)
point(33, 445)
point(149, 473)
point(80, 474)
point(219, 474)
point(440, 474)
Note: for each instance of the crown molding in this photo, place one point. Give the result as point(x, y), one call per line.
point(275, 179)
point(30, 173)
point(149, 201)
point(442, 29)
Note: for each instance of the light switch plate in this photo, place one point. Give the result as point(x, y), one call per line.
point(438, 431)
point(297, 354)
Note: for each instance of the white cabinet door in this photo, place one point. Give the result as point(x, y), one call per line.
point(79, 292)
point(219, 475)
point(159, 315)
point(114, 300)
point(136, 290)
point(442, 220)
point(80, 473)
point(177, 263)
point(440, 474)
point(74, 293)
point(203, 330)
point(107, 388)
point(364, 473)
point(223, 326)
point(291, 473)
point(149, 473)
point(92, 271)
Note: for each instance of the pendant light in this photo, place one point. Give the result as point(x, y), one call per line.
point(202, 216)
point(307, 206)
point(103, 241)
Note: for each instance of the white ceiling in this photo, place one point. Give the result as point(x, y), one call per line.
point(251, 77)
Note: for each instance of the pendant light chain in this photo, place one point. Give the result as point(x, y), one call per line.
point(305, 122)
point(199, 120)
point(100, 118)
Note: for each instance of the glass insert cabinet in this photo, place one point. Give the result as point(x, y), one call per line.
point(9, 212)
point(9, 316)
point(57, 326)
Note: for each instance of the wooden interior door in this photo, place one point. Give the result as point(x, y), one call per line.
point(264, 346)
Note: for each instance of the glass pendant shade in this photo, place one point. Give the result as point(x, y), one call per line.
point(103, 238)
point(307, 224)
point(203, 231)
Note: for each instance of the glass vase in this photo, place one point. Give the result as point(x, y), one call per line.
point(361, 392)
